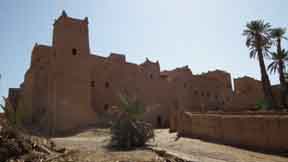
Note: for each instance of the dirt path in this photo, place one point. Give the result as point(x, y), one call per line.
point(93, 148)
point(208, 152)
point(92, 145)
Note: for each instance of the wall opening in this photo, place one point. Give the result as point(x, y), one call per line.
point(92, 83)
point(106, 107)
point(74, 51)
point(159, 121)
point(107, 85)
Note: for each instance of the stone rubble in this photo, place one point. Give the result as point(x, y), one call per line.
point(18, 146)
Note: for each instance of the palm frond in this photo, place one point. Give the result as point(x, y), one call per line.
point(253, 53)
point(257, 34)
point(278, 33)
point(272, 67)
point(131, 106)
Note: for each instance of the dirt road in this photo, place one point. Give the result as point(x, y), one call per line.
point(92, 145)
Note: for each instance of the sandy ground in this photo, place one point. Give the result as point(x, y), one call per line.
point(92, 145)
point(208, 152)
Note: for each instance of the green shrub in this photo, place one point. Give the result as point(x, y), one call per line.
point(128, 131)
point(262, 105)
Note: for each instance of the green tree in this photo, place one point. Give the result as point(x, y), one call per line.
point(278, 65)
point(259, 42)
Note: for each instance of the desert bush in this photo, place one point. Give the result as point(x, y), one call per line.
point(128, 131)
point(262, 105)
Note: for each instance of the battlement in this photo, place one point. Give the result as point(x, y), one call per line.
point(117, 58)
point(71, 35)
point(148, 63)
point(64, 18)
point(41, 54)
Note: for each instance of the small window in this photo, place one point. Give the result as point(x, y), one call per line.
point(196, 92)
point(92, 83)
point(107, 84)
point(74, 51)
point(151, 76)
point(202, 94)
point(208, 94)
point(106, 107)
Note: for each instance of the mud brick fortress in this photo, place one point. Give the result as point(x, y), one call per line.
point(67, 86)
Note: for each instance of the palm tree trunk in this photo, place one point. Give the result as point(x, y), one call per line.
point(266, 85)
point(281, 75)
point(283, 85)
point(279, 49)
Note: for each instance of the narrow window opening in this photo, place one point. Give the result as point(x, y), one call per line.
point(107, 84)
point(106, 107)
point(92, 83)
point(151, 76)
point(159, 121)
point(74, 51)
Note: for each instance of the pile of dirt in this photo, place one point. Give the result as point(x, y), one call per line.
point(15, 145)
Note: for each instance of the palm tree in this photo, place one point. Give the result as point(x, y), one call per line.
point(129, 130)
point(259, 42)
point(278, 64)
point(277, 34)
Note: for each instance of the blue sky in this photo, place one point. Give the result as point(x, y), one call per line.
point(204, 34)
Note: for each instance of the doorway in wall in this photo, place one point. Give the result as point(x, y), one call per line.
point(159, 121)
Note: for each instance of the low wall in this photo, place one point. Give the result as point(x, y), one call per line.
point(267, 132)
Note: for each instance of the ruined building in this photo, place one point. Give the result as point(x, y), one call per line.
point(67, 86)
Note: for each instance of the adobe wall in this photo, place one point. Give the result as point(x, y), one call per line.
point(208, 91)
point(266, 132)
point(112, 77)
point(247, 93)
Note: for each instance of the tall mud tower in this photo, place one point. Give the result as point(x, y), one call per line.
point(72, 99)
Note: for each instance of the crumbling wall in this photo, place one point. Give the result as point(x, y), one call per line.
point(267, 132)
